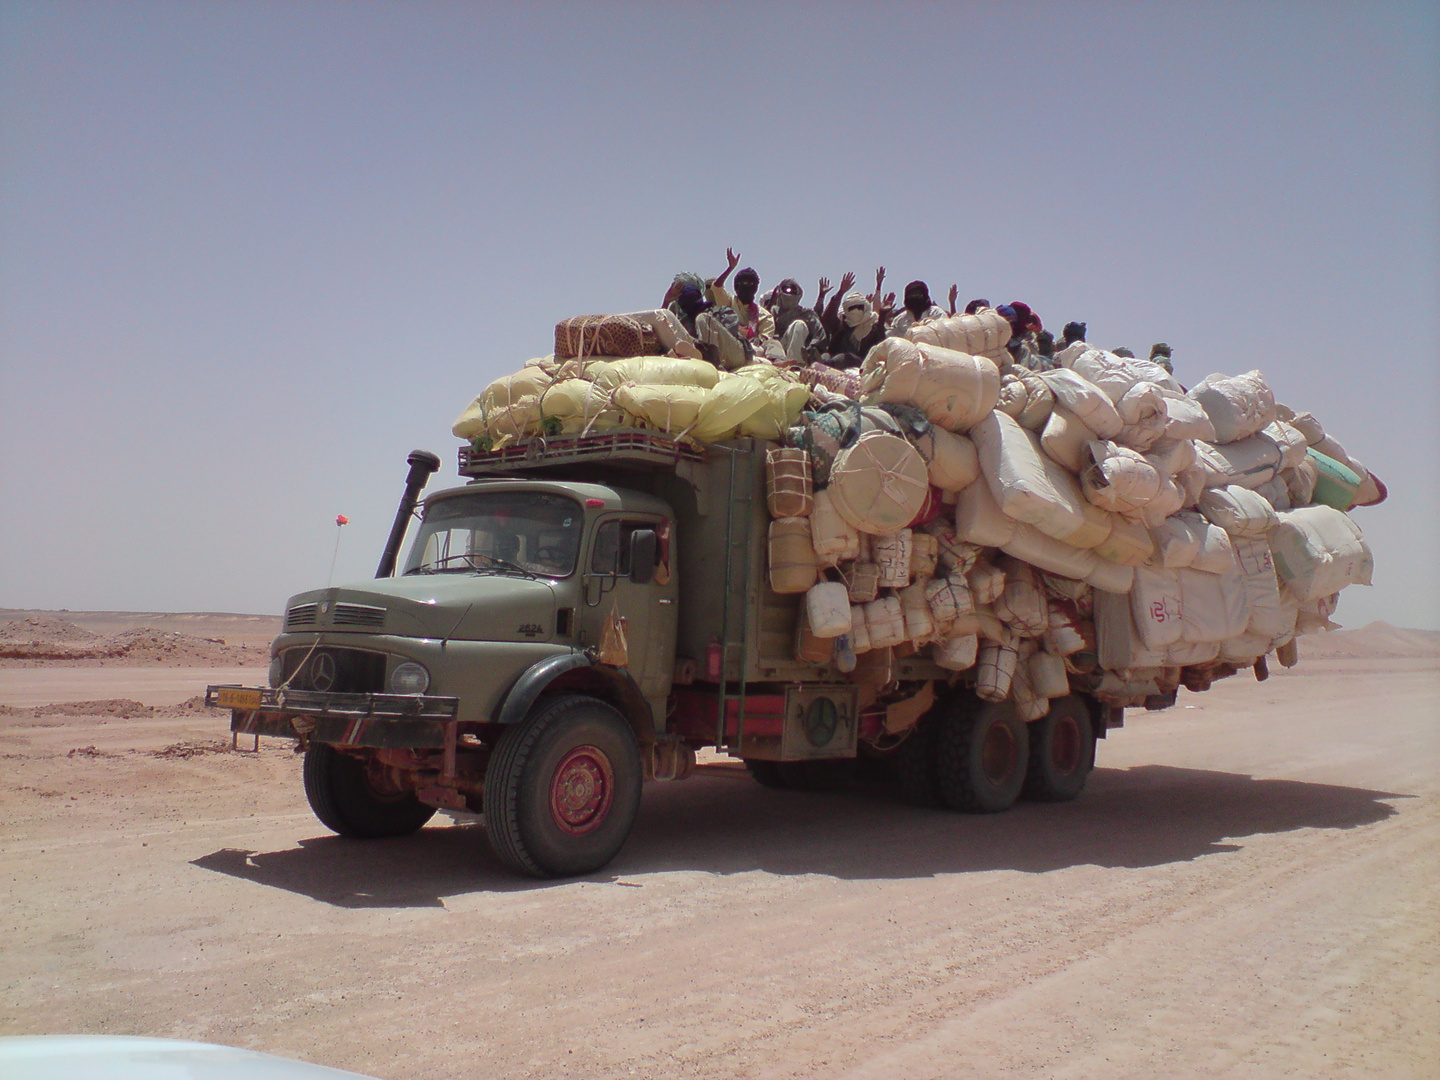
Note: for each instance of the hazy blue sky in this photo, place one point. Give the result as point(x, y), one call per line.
point(251, 254)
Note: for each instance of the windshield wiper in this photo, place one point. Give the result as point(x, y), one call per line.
point(441, 565)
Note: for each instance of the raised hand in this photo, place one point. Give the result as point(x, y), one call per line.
point(732, 258)
point(954, 296)
point(879, 280)
point(847, 282)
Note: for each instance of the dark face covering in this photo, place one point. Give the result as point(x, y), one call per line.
point(746, 285)
point(917, 298)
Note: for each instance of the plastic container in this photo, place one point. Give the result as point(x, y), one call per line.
point(924, 551)
point(885, 620)
point(892, 554)
point(792, 556)
point(789, 487)
point(827, 609)
point(834, 538)
point(919, 623)
point(957, 653)
point(995, 669)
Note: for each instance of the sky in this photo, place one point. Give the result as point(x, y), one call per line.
point(252, 254)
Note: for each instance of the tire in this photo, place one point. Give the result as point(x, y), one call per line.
point(766, 773)
point(981, 756)
point(830, 774)
point(913, 763)
point(347, 799)
point(563, 788)
point(1062, 752)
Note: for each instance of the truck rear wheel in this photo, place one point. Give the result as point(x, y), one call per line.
point(1062, 752)
point(982, 751)
point(914, 764)
point(766, 773)
point(562, 788)
point(350, 800)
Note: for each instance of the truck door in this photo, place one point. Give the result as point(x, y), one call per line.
point(649, 609)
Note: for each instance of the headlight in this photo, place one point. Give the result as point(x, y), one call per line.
point(409, 678)
point(277, 669)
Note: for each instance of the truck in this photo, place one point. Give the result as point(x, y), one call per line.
point(585, 613)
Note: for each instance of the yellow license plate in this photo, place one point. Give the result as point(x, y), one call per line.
point(235, 697)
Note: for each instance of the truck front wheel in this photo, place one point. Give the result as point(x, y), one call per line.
point(562, 788)
point(1062, 752)
point(981, 758)
point(350, 801)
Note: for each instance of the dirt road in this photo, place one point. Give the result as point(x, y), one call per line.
point(1247, 889)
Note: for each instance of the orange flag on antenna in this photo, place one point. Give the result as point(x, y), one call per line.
point(341, 519)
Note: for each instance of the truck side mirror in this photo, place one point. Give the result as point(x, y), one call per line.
point(644, 556)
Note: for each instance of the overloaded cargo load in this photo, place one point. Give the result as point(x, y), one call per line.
point(1095, 527)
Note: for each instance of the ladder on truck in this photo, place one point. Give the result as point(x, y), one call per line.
point(739, 510)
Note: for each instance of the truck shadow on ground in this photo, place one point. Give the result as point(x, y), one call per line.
point(727, 824)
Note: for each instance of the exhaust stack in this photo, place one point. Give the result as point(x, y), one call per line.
point(422, 464)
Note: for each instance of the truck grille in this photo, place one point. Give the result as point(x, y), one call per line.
point(300, 615)
point(342, 671)
point(359, 615)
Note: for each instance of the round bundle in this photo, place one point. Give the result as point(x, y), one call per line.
point(879, 484)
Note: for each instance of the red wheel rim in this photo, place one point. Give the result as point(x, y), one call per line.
point(997, 754)
point(582, 790)
point(1065, 746)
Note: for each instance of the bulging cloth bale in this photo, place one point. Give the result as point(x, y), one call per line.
point(785, 399)
point(1084, 400)
point(1318, 550)
point(652, 371)
point(1026, 485)
point(1237, 405)
point(953, 389)
point(1239, 511)
point(983, 333)
point(1186, 419)
point(605, 335)
point(950, 459)
point(879, 484)
point(1117, 374)
point(1120, 479)
point(1142, 408)
point(508, 406)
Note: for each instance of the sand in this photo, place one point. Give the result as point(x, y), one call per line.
point(1246, 889)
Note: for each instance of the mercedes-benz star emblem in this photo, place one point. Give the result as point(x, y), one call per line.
point(323, 672)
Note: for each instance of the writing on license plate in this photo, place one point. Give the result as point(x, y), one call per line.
point(235, 697)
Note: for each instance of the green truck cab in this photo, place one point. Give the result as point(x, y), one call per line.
point(583, 615)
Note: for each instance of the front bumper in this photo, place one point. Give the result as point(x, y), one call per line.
point(414, 721)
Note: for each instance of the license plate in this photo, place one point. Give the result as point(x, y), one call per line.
point(234, 697)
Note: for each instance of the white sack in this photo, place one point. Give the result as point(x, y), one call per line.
point(1237, 405)
point(1238, 511)
point(1318, 551)
point(1012, 464)
point(1079, 396)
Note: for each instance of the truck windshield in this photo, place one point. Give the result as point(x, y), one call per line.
point(526, 532)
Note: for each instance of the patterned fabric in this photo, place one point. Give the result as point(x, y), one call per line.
point(604, 335)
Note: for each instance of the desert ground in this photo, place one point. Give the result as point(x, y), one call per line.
point(1247, 888)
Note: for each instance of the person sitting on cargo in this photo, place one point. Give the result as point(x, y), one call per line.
point(716, 330)
point(801, 333)
point(860, 332)
point(1073, 332)
point(1160, 353)
point(1024, 324)
point(1045, 345)
point(975, 305)
point(918, 308)
point(756, 322)
point(1126, 353)
point(830, 313)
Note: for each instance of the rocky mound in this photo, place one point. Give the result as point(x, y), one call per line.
point(1376, 639)
point(53, 639)
point(43, 630)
